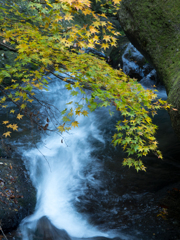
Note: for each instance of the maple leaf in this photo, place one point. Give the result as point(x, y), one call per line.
point(3, 99)
point(86, 11)
point(66, 119)
point(97, 23)
point(103, 23)
point(5, 122)
point(19, 116)
point(68, 17)
point(106, 38)
point(93, 30)
point(23, 106)
point(15, 127)
point(58, 18)
point(61, 128)
point(7, 134)
point(105, 45)
point(90, 45)
point(85, 113)
point(75, 124)
point(113, 44)
point(9, 126)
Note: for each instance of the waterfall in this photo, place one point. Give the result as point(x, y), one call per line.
point(60, 177)
point(81, 185)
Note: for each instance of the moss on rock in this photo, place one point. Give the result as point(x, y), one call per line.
point(153, 26)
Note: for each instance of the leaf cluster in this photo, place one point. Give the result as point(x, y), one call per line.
point(47, 35)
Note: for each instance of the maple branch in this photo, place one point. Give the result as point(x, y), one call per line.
point(8, 47)
point(85, 85)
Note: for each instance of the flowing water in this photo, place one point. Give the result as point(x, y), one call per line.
point(82, 186)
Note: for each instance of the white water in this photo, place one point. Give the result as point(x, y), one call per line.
point(59, 182)
point(130, 65)
point(62, 179)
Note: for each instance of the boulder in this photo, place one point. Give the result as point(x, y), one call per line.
point(153, 27)
point(17, 195)
point(47, 231)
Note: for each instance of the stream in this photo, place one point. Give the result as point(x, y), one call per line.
point(82, 187)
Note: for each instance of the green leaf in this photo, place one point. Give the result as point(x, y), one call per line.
point(66, 119)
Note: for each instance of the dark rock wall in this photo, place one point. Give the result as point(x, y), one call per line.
point(17, 195)
point(153, 27)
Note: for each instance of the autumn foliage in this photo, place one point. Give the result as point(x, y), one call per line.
point(45, 34)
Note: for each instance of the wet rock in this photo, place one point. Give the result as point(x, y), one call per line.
point(17, 195)
point(135, 64)
point(95, 52)
point(116, 53)
point(47, 231)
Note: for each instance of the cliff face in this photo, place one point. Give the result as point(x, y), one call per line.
point(153, 27)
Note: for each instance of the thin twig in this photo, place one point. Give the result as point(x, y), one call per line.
point(3, 233)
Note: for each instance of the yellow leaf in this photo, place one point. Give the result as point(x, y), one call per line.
point(7, 134)
point(61, 128)
point(75, 124)
point(105, 45)
point(5, 122)
point(12, 111)
point(49, 4)
point(93, 30)
point(85, 113)
point(3, 99)
point(23, 106)
point(68, 17)
point(16, 99)
point(97, 24)
point(103, 23)
point(14, 127)
point(116, 1)
point(19, 116)
point(4, 106)
point(106, 38)
point(103, 15)
point(30, 100)
point(9, 126)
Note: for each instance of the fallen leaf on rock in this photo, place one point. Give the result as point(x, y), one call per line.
point(19, 196)
point(12, 196)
